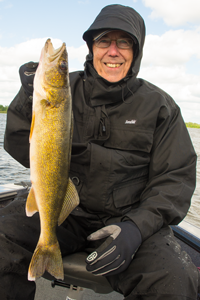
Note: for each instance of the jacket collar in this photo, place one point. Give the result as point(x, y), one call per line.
point(99, 91)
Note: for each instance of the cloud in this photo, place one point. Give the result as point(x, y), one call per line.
point(77, 53)
point(175, 47)
point(9, 6)
point(175, 12)
point(165, 62)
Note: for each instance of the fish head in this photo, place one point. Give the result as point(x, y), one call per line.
point(52, 71)
point(54, 65)
point(52, 75)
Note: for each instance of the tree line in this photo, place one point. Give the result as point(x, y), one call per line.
point(189, 124)
point(3, 108)
point(192, 125)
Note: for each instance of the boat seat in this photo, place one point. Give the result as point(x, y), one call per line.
point(75, 274)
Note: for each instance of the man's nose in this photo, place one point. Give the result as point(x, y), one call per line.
point(113, 49)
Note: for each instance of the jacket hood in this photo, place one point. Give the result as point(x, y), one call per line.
point(119, 17)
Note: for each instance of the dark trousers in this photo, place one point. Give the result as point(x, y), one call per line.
point(159, 270)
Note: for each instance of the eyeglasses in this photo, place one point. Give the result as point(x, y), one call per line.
point(124, 43)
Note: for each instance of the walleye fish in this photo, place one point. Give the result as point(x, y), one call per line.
point(52, 193)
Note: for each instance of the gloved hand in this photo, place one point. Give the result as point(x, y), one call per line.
point(27, 73)
point(117, 251)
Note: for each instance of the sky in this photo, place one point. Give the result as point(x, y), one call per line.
point(171, 58)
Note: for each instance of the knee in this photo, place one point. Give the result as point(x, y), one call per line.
point(160, 268)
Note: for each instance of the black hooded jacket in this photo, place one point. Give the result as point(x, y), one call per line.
point(132, 157)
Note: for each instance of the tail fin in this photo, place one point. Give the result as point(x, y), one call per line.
point(46, 259)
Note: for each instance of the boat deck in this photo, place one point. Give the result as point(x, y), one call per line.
point(187, 235)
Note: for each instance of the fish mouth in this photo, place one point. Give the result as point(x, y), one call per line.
point(54, 53)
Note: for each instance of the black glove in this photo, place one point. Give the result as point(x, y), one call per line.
point(117, 251)
point(27, 73)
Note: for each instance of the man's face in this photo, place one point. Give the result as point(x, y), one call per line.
point(112, 63)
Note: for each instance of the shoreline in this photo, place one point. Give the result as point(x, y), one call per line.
point(192, 125)
point(188, 124)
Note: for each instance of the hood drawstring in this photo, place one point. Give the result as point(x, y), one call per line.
point(126, 102)
point(102, 123)
point(104, 116)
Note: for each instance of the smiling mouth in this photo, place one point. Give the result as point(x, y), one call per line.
point(113, 65)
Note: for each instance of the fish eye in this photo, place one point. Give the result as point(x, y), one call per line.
point(63, 65)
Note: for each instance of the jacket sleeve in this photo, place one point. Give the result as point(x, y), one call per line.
point(172, 175)
point(16, 138)
point(19, 115)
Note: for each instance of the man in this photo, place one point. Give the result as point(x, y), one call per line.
point(133, 165)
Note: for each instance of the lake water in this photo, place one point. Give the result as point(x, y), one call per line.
point(11, 171)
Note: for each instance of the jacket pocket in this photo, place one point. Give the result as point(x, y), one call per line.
point(128, 193)
point(127, 138)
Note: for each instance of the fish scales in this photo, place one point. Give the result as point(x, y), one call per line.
point(52, 193)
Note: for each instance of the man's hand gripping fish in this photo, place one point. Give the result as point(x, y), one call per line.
point(52, 194)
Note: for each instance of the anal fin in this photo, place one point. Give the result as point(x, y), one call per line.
point(70, 202)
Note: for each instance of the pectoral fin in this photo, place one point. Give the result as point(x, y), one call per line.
point(31, 204)
point(70, 202)
point(32, 126)
point(45, 103)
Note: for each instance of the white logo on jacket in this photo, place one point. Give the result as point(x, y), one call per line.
point(130, 122)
